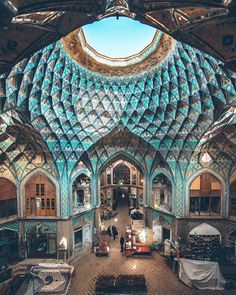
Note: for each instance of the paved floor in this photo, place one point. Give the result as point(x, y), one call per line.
point(160, 278)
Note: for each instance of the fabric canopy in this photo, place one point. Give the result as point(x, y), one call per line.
point(201, 274)
point(204, 229)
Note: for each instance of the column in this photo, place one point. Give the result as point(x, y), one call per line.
point(95, 198)
point(180, 194)
point(65, 196)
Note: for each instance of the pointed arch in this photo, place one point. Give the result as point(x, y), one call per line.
point(222, 211)
point(51, 178)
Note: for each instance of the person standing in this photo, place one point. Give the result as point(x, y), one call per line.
point(114, 232)
point(122, 241)
point(109, 230)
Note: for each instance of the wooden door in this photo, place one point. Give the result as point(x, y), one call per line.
point(40, 194)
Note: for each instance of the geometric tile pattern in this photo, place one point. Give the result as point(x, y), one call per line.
point(179, 192)
point(65, 196)
point(53, 110)
point(21, 148)
point(220, 143)
point(171, 107)
point(121, 140)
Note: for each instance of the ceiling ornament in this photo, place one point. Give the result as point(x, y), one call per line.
point(156, 52)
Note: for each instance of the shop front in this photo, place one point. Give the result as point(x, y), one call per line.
point(205, 242)
point(82, 233)
point(9, 244)
point(41, 242)
point(138, 238)
point(163, 227)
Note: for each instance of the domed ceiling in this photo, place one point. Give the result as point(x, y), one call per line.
point(169, 106)
point(166, 110)
point(27, 26)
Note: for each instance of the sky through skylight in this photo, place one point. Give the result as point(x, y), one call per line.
point(118, 38)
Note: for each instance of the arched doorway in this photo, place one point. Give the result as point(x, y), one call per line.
point(121, 178)
point(81, 191)
point(121, 184)
point(205, 195)
point(8, 200)
point(40, 196)
point(162, 193)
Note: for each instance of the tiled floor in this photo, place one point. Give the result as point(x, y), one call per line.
point(160, 278)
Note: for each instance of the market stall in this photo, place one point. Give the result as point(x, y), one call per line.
point(102, 248)
point(205, 242)
point(138, 238)
point(136, 214)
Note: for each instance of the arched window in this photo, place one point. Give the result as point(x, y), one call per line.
point(121, 174)
point(40, 196)
point(162, 192)
point(8, 201)
point(232, 196)
point(205, 195)
point(81, 190)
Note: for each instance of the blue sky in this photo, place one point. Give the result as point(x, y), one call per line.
point(118, 38)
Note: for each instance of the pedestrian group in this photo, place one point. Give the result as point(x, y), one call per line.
point(112, 231)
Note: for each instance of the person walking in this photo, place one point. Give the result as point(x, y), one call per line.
point(122, 241)
point(114, 232)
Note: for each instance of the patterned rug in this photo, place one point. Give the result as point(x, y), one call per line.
point(50, 279)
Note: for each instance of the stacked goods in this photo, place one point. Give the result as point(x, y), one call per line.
point(205, 247)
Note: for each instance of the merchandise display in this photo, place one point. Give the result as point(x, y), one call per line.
point(205, 247)
point(102, 248)
point(138, 239)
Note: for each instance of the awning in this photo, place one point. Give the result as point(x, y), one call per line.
point(204, 229)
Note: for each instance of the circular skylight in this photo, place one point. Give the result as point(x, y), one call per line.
point(118, 38)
